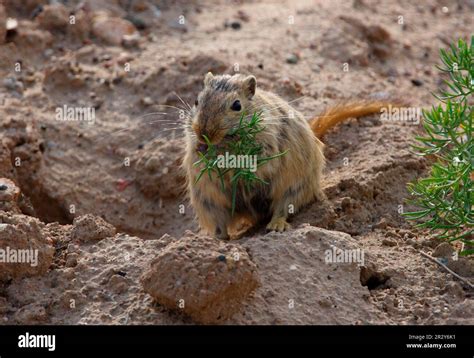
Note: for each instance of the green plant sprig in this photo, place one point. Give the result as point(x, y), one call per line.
point(446, 197)
point(242, 142)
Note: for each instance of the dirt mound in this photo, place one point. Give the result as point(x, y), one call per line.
point(25, 251)
point(202, 277)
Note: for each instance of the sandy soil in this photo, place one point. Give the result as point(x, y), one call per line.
point(124, 166)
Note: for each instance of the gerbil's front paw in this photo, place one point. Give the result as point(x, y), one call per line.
point(278, 224)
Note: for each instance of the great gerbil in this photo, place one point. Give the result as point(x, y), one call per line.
point(293, 179)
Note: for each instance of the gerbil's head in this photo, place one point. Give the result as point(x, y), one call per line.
point(219, 106)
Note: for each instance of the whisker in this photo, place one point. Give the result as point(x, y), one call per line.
point(182, 101)
point(174, 107)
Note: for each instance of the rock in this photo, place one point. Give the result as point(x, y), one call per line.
point(382, 224)
point(443, 250)
point(123, 58)
point(376, 33)
point(416, 82)
point(54, 17)
point(292, 59)
point(12, 84)
point(236, 25)
point(188, 276)
point(389, 242)
point(11, 24)
point(48, 52)
point(34, 40)
point(147, 101)
point(130, 41)
point(9, 195)
point(91, 228)
point(118, 283)
point(111, 29)
point(242, 15)
point(346, 203)
point(24, 249)
point(71, 259)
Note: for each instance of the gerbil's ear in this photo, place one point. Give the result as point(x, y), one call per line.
point(208, 78)
point(249, 86)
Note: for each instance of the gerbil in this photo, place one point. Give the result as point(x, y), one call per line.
point(294, 179)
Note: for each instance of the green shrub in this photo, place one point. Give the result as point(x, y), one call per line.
point(445, 197)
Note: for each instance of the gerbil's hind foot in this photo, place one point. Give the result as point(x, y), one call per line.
point(278, 224)
point(240, 224)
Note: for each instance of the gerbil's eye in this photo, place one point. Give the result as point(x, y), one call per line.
point(236, 106)
point(196, 103)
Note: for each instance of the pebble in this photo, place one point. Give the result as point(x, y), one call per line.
point(235, 25)
point(416, 82)
point(71, 260)
point(13, 84)
point(242, 15)
point(389, 242)
point(147, 101)
point(48, 52)
point(382, 224)
point(292, 59)
point(443, 250)
point(11, 24)
point(346, 203)
point(132, 40)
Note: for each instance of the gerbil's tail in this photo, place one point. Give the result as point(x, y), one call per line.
point(339, 113)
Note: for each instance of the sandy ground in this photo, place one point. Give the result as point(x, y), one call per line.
point(124, 166)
